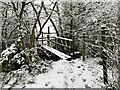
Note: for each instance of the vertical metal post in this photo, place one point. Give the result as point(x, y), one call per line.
point(83, 48)
point(68, 44)
point(42, 38)
point(48, 36)
point(72, 46)
point(55, 44)
point(104, 58)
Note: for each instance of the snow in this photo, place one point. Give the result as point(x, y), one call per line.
point(58, 53)
point(73, 74)
point(11, 49)
point(68, 74)
point(5, 53)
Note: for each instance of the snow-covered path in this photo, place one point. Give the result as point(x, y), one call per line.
point(70, 74)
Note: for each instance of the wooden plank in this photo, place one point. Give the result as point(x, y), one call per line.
point(64, 38)
point(56, 52)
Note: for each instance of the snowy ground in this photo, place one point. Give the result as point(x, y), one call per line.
point(68, 74)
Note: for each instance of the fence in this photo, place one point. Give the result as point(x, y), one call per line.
point(60, 43)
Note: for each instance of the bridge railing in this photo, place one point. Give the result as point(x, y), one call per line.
point(65, 43)
point(60, 43)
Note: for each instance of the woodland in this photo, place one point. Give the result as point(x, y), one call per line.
point(60, 44)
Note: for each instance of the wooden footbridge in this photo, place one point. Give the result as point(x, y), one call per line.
point(55, 45)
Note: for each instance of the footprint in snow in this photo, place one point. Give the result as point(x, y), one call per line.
point(86, 86)
point(84, 80)
point(73, 79)
point(79, 66)
point(79, 74)
point(46, 84)
point(60, 72)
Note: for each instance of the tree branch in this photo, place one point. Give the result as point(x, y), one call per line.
point(5, 3)
point(14, 8)
point(38, 13)
point(22, 9)
point(49, 17)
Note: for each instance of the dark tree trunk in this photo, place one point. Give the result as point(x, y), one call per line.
point(59, 18)
point(118, 45)
point(71, 22)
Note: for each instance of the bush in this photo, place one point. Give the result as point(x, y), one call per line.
point(14, 57)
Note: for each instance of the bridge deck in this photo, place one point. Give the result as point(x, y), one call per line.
point(56, 52)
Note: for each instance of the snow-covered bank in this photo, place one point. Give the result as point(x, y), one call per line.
point(73, 74)
point(62, 74)
point(67, 74)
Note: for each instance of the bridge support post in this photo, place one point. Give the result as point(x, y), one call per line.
point(48, 36)
point(42, 38)
point(69, 49)
point(55, 44)
point(73, 46)
point(83, 48)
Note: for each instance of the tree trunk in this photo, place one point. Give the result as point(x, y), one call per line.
point(71, 22)
point(119, 45)
point(59, 18)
